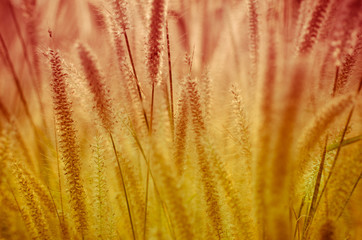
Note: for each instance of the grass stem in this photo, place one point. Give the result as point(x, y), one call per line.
point(124, 187)
point(136, 78)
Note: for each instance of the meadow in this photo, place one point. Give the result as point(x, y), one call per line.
point(181, 119)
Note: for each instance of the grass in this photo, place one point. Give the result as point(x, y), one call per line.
point(154, 119)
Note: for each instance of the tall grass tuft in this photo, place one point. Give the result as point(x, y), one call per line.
point(190, 119)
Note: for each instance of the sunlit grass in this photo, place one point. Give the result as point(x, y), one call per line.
point(198, 119)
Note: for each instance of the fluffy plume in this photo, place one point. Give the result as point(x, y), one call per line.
point(318, 126)
point(101, 203)
point(68, 145)
point(155, 38)
point(97, 85)
point(242, 123)
point(36, 214)
point(253, 32)
point(348, 65)
point(121, 14)
point(211, 194)
point(180, 132)
point(310, 35)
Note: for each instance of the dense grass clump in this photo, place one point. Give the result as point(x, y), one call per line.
point(199, 119)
